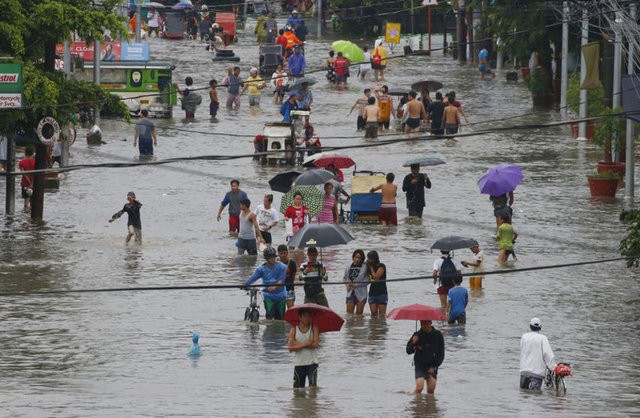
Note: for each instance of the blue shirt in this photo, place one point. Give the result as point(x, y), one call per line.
point(482, 55)
point(285, 110)
point(294, 22)
point(459, 297)
point(234, 85)
point(271, 275)
point(305, 101)
point(296, 64)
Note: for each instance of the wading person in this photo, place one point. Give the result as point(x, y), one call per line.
point(475, 281)
point(145, 136)
point(292, 268)
point(267, 218)
point(232, 198)
point(427, 347)
point(304, 340)
point(312, 273)
point(535, 357)
point(134, 224)
point(248, 230)
point(413, 185)
point(272, 273)
point(388, 213)
point(356, 279)
point(371, 114)
point(28, 163)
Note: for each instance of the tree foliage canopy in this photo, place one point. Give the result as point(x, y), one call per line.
point(29, 31)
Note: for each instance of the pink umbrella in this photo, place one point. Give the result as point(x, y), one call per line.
point(417, 312)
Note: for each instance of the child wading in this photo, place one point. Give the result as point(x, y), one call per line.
point(304, 340)
point(134, 225)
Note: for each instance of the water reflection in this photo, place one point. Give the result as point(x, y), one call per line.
point(274, 339)
point(422, 405)
point(306, 402)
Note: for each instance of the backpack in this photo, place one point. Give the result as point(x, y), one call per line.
point(448, 272)
point(376, 61)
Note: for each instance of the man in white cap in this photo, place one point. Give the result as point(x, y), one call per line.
point(535, 357)
point(254, 84)
point(294, 20)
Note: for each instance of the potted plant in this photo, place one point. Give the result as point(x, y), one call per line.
point(539, 84)
point(594, 103)
point(611, 131)
point(603, 184)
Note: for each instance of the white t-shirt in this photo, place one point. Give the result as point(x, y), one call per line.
point(438, 263)
point(266, 217)
point(153, 19)
point(535, 354)
point(478, 258)
point(366, 64)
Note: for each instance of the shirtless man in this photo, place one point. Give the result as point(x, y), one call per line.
point(451, 119)
point(388, 214)
point(416, 112)
point(361, 103)
point(371, 114)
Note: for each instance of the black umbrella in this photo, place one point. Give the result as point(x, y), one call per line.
point(315, 176)
point(453, 242)
point(320, 235)
point(398, 91)
point(282, 182)
point(430, 85)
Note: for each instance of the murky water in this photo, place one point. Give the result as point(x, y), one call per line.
point(123, 354)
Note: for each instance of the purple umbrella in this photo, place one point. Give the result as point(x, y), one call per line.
point(184, 4)
point(500, 179)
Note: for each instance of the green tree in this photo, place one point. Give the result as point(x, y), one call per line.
point(630, 245)
point(29, 32)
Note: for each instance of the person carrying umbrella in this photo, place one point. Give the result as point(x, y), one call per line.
point(427, 347)
point(273, 275)
point(312, 273)
point(304, 340)
point(413, 185)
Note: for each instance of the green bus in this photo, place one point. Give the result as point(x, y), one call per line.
point(142, 84)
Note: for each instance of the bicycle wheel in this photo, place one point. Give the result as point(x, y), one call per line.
point(254, 316)
point(247, 313)
point(561, 386)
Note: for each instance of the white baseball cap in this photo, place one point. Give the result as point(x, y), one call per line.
point(535, 322)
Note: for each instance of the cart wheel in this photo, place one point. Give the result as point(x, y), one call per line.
point(247, 313)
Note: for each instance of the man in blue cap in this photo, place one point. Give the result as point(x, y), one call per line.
point(288, 106)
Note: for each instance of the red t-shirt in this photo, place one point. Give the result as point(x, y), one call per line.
point(281, 40)
point(296, 215)
point(341, 64)
point(27, 164)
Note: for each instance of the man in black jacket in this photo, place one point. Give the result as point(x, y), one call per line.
point(428, 345)
point(414, 185)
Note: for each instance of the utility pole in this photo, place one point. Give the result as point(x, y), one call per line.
point(565, 52)
point(582, 126)
point(320, 12)
point(629, 174)
point(138, 20)
point(461, 32)
point(617, 76)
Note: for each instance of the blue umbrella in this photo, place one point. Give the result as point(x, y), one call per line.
point(500, 179)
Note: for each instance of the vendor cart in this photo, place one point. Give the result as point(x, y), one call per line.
point(365, 205)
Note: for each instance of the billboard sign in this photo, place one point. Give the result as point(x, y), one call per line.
point(10, 86)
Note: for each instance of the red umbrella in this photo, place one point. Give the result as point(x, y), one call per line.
point(322, 317)
point(335, 159)
point(417, 312)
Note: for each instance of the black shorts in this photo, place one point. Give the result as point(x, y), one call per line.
point(301, 373)
point(266, 236)
point(24, 193)
point(413, 123)
point(425, 375)
point(384, 125)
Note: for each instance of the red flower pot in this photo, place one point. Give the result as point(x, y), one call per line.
point(591, 129)
point(603, 187)
point(617, 168)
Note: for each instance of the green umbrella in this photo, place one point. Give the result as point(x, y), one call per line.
point(349, 50)
point(312, 198)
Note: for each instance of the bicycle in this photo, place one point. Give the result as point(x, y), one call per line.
point(555, 378)
point(252, 313)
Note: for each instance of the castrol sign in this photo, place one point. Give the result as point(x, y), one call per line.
point(10, 86)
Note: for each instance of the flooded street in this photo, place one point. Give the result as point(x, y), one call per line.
point(123, 353)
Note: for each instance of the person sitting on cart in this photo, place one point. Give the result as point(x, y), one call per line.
point(292, 41)
point(288, 106)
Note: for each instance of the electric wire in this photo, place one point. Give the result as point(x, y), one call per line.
point(299, 283)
